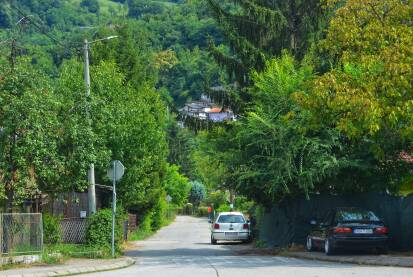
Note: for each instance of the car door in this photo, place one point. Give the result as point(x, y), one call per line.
point(327, 225)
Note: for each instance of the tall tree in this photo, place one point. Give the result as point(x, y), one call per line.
point(367, 94)
point(259, 29)
point(29, 132)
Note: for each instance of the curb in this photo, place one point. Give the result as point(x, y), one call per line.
point(351, 260)
point(125, 262)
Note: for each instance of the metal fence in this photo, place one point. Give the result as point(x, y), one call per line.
point(288, 222)
point(21, 233)
point(73, 230)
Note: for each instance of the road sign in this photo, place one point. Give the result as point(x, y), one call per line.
point(115, 173)
point(119, 170)
point(168, 198)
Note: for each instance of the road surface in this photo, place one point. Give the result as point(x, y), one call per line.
point(183, 250)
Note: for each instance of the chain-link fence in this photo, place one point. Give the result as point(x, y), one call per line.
point(73, 230)
point(21, 234)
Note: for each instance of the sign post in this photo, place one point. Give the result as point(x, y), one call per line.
point(168, 200)
point(115, 173)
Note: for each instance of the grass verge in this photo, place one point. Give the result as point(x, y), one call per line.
point(146, 232)
point(59, 253)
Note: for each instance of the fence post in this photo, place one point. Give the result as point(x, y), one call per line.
point(1, 235)
point(41, 232)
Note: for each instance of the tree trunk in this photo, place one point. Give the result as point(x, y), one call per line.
point(10, 196)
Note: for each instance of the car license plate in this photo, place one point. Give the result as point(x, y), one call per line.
point(363, 231)
point(231, 234)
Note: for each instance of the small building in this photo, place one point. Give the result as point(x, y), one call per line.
point(205, 109)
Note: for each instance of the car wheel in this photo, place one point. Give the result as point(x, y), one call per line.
point(328, 247)
point(213, 241)
point(309, 244)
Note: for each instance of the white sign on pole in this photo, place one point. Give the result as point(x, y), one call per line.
point(115, 173)
point(119, 170)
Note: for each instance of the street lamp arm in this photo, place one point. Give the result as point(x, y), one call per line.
point(107, 38)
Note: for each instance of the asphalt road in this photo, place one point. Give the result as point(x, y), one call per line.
point(183, 250)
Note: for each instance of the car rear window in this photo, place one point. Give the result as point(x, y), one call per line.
point(231, 219)
point(356, 215)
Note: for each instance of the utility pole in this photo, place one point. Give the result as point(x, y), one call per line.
point(91, 173)
point(113, 208)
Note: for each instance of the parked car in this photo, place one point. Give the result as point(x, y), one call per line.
point(231, 226)
point(348, 228)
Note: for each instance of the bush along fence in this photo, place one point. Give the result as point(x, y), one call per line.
point(190, 209)
point(288, 222)
point(78, 230)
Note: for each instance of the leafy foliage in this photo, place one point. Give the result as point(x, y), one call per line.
point(365, 95)
point(91, 5)
point(99, 230)
point(367, 92)
point(176, 185)
point(51, 229)
point(259, 30)
point(197, 193)
point(182, 145)
point(30, 160)
point(283, 156)
point(340, 132)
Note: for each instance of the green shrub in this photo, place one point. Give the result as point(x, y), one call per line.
point(51, 229)
point(159, 214)
point(242, 204)
point(99, 230)
point(146, 223)
point(176, 185)
point(197, 192)
point(216, 198)
point(202, 211)
point(223, 208)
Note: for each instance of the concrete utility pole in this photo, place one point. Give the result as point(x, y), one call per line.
point(91, 172)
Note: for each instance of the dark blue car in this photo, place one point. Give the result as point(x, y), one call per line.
point(348, 228)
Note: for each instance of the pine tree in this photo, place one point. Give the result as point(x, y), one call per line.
point(258, 29)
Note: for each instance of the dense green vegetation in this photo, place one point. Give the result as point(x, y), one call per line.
point(321, 89)
point(307, 127)
point(48, 140)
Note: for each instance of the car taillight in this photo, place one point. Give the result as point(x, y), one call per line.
point(216, 226)
point(381, 230)
point(246, 227)
point(342, 230)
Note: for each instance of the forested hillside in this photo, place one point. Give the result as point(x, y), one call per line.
point(175, 32)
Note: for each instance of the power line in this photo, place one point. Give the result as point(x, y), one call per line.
point(35, 24)
point(32, 21)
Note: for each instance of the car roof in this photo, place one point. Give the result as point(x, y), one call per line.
point(231, 213)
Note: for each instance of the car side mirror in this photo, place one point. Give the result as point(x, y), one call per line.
point(313, 222)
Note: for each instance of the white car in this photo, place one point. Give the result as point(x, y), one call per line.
point(230, 226)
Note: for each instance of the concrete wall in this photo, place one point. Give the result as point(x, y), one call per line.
point(288, 222)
